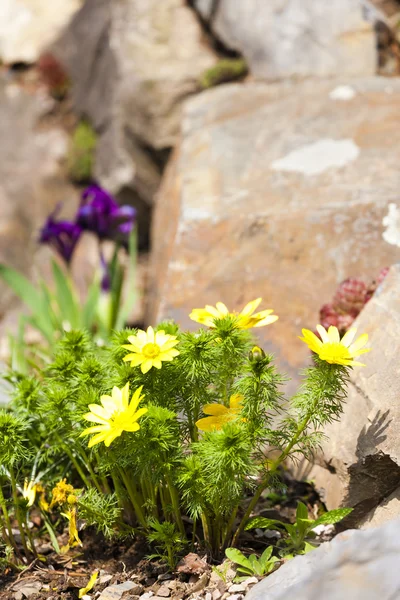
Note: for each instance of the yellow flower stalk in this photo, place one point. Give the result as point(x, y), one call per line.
point(220, 414)
point(149, 349)
point(115, 415)
point(29, 492)
point(244, 320)
point(89, 585)
point(334, 350)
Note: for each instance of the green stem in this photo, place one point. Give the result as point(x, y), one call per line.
point(10, 535)
point(194, 534)
point(89, 467)
point(18, 512)
point(76, 464)
point(164, 505)
point(134, 497)
point(229, 527)
point(175, 504)
point(206, 529)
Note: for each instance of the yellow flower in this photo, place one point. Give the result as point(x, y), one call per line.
point(29, 492)
point(89, 585)
point(114, 416)
point(334, 350)
point(244, 320)
point(149, 349)
point(61, 492)
point(220, 414)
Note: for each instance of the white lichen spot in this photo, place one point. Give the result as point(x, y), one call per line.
point(391, 221)
point(318, 157)
point(342, 92)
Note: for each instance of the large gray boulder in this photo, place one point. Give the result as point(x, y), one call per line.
point(295, 38)
point(356, 565)
point(360, 465)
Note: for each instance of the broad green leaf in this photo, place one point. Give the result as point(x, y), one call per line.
point(22, 287)
point(308, 548)
point(263, 523)
point(90, 306)
point(302, 511)
point(255, 565)
point(333, 516)
point(238, 557)
point(31, 297)
point(66, 300)
point(17, 347)
point(265, 557)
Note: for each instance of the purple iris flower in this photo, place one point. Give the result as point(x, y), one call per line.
point(100, 213)
point(60, 235)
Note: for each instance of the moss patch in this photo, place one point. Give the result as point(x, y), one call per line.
point(227, 69)
point(81, 153)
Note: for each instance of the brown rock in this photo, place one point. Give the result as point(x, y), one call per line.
point(362, 452)
point(268, 195)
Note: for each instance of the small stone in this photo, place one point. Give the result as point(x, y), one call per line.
point(147, 595)
point(250, 581)
point(105, 578)
point(216, 595)
point(208, 596)
point(237, 587)
point(164, 591)
point(200, 584)
point(164, 577)
point(115, 592)
point(235, 597)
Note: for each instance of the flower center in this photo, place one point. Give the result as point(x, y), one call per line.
point(117, 420)
point(151, 350)
point(333, 352)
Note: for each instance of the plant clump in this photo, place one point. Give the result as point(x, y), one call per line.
point(179, 449)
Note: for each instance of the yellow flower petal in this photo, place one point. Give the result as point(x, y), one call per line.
point(323, 334)
point(146, 366)
point(349, 336)
point(89, 585)
point(215, 409)
point(359, 343)
point(333, 334)
point(236, 400)
point(251, 307)
point(209, 424)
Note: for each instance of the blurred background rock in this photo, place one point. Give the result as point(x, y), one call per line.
point(257, 140)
